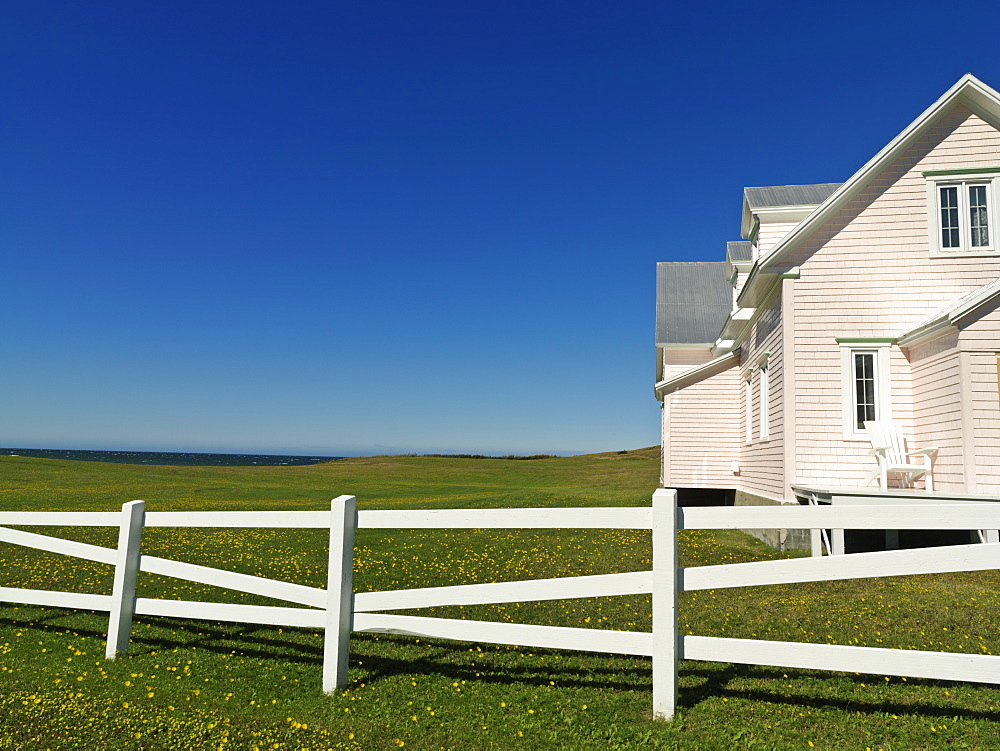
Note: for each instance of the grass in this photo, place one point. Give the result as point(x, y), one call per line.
point(194, 685)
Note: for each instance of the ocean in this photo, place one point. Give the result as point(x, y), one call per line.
point(171, 458)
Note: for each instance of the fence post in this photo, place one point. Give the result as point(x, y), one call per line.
point(665, 578)
point(339, 593)
point(126, 568)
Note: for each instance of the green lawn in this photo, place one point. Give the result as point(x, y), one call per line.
point(193, 685)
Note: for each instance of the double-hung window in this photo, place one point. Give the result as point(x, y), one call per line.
point(962, 210)
point(864, 403)
point(864, 384)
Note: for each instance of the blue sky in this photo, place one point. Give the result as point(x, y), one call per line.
point(356, 227)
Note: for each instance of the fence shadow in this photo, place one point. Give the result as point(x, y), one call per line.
point(717, 679)
point(441, 659)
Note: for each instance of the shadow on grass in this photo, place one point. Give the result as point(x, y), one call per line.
point(717, 680)
point(445, 659)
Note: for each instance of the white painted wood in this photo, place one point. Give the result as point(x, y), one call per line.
point(665, 582)
point(788, 405)
point(889, 448)
point(509, 518)
point(255, 585)
point(58, 545)
point(839, 547)
point(62, 518)
point(126, 569)
point(218, 611)
point(547, 637)
point(941, 560)
point(906, 516)
point(816, 536)
point(562, 588)
point(992, 535)
point(571, 518)
point(946, 666)
point(51, 599)
point(261, 519)
point(905, 497)
point(343, 520)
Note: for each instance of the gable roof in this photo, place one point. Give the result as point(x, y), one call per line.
point(788, 195)
point(951, 313)
point(782, 203)
point(739, 250)
point(968, 91)
point(693, 301)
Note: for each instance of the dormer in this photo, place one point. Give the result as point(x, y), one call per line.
point(770, 213)
point(739, 260)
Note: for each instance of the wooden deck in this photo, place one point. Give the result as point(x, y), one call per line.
point(833, 540)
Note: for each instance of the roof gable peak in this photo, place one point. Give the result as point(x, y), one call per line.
point(968, 91)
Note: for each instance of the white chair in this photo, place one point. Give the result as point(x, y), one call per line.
point(889, 448)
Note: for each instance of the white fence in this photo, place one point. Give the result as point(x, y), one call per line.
point(339, 611)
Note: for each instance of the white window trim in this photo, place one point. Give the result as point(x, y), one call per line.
point(764, 429)
point(749, 408)
point(883, 385)
point(934, 182)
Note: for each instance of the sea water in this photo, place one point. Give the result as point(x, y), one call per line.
point(175, 458)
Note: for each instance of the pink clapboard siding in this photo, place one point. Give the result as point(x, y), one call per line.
point(741, 279)
point(772, 232)
point(678, 360)
point(868, 272)
point(979, 347)
point(761, 461)
point(937, 409)
point(702, 432)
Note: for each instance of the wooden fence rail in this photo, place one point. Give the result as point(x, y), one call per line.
point(339, 611)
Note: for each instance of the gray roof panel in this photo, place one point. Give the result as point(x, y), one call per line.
point(693, 301)
point(789, 195)
point(739, 250)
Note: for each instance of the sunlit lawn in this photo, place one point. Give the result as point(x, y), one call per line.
point(194, 684)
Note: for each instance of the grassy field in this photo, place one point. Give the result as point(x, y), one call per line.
point(194, 685)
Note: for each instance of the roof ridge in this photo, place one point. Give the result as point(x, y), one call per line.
point(967, 90)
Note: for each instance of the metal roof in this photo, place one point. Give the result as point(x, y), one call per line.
point(693, 301)
point(739, 250)
point(789, 195)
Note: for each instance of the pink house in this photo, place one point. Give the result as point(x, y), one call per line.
point(875, 299)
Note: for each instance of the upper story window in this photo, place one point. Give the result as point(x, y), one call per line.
point(965, 216)
point(963, 210)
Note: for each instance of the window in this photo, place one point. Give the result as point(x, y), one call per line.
point(961, 210)
point(764, 432)
point(964, 210)
point(865, 405)
point(865, 384)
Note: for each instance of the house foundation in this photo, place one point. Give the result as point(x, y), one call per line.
point(779, 539)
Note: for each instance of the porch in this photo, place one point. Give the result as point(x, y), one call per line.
point(834, 540)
